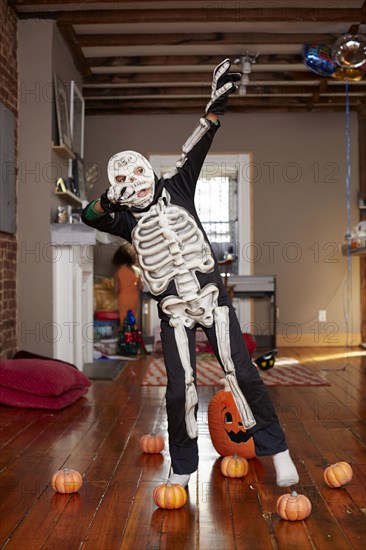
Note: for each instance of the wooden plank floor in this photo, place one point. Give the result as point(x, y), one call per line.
point(99, 436)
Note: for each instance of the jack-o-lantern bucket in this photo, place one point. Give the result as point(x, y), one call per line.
point(227, 431)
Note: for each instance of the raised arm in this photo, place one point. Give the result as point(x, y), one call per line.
point(195, 149)
point(133, 180)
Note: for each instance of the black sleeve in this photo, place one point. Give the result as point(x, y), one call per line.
point(184, 179)
point(121, 224)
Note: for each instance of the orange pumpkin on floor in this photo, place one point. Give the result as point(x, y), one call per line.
point(227, 432)
point(338, 474)
point(293, 507)
point(152, 443)
point(234, 466)
point(170, 496)
point(66, 481)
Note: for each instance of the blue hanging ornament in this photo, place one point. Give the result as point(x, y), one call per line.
point(318, 58)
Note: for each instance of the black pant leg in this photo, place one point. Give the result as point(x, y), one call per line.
point(183, 449)
point(251, 384)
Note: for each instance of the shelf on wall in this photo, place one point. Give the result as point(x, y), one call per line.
point(360, 251)
point(68, 234)
point(69, 197)
point(63, 151)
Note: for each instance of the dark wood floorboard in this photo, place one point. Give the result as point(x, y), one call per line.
point(99, 436)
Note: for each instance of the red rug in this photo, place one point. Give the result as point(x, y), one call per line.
point(286, 372)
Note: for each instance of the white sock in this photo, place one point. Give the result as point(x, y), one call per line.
point(286, 473)
point(181, 479)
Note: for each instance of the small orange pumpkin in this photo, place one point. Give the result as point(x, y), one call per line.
point(170, 496)
point(338, 474)
point(152, 443)
point(227, 431)
point(66, 481)
point(293, 507)
point(234, 466)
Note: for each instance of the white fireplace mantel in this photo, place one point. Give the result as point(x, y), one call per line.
point(72, 234)
point(72, 257)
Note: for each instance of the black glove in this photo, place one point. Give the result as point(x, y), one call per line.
point(109, 206)
point(223, 84)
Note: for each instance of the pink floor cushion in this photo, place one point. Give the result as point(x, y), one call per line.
point(38, 383)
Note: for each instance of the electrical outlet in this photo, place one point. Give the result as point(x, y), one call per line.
point(322, 315)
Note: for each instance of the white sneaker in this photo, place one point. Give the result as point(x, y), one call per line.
point(181, 479)
point(286, 473)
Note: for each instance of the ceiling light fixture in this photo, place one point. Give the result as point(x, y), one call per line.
point(246, 60)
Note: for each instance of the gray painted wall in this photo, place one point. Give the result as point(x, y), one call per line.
point(299, 208)
point(41, 53)
point(299, 205)
point(34, 195)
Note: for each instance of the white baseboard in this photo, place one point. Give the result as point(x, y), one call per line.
point(319, 340)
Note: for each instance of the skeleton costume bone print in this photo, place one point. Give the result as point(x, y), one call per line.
point(179, 268)
point(182, 275)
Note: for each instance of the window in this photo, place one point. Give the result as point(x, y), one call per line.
point(213, 198)
point(223, 191)
point(223, 202)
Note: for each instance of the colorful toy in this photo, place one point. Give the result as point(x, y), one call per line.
point(266, 361)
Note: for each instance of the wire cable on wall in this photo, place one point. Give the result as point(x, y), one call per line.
point(347, 305)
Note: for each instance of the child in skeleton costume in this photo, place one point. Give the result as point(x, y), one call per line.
point(159, 217)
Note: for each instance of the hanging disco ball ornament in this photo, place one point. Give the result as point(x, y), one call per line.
point(318, 58)
point(348, 74)
point(349, 51)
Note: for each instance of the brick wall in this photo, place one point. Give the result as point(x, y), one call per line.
point(8, 242)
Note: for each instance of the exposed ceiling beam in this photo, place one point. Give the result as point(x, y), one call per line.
point(235, 102)
point(177, 60)
point(173, 83)
point(322, 88)
point(198, 111)
point(122, 2)
point(217, 38)
point(353, 29)
point(204, 76)
point(205, 14)
point(253, 90)
point(89, 2)
point(79, 59)
point(204, 90)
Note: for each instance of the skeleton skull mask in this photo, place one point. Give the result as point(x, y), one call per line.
point(132, 179)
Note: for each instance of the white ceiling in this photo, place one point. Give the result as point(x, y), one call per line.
point(159, 56)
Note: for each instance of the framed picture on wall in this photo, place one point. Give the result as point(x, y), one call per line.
point(78, 176)
point(77, 110)
point(62, 112)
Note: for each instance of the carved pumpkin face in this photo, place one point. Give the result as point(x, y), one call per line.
point(226, 428)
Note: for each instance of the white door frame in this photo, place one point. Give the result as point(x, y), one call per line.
point(242, 163)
